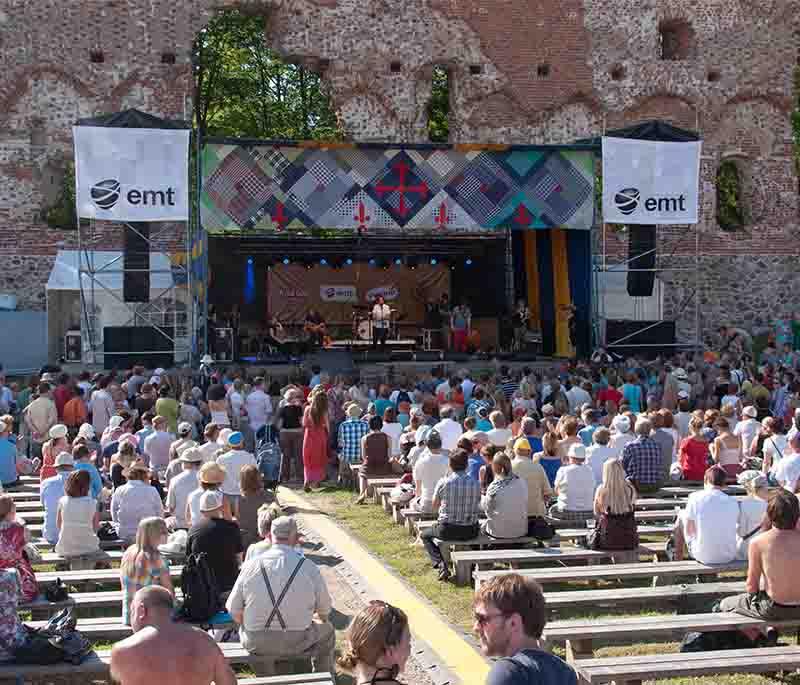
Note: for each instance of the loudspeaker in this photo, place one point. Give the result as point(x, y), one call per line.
point(72, 346)
point(126, 346)
point(227, 282)
point(662, 333)
point(136, 256)
point(642, 255)
point(222, 344)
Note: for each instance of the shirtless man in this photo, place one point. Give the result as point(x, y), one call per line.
point(164, 652)
point(772, 589)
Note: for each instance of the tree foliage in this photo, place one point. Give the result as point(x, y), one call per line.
point(244, 89)
point(439, 106)
point(730, 210)
point(62, 214)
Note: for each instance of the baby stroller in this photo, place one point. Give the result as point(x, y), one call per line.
point(269, 457)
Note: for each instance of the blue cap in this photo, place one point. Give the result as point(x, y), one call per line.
point(235, 439)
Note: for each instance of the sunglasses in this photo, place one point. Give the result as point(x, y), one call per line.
point(485, 619)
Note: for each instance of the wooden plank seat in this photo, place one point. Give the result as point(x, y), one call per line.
point(374, 484)
point(627, 670)
point(412, 516)
point(687, 488)
point(579, 635)
point(32, 516)
point(632, 597)
point(662, 569)
point(97, 577)
point(293, 679)
point(28, 505)
point(53, 558)
point(81, 602)
point(44, 545)
point(23, 496)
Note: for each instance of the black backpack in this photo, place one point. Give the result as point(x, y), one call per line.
point(201, 598)
point(53, 643)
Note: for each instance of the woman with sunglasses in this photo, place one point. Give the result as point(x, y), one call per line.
point(377, 644)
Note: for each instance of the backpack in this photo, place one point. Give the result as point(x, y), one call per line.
point(201, 598)
point(268, 458)
point(54, 642)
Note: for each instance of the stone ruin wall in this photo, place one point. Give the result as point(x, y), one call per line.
point(521, 71)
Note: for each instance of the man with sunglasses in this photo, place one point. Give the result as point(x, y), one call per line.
point(509, 613)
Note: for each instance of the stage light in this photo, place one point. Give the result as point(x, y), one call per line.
point(434, 261)
point(348, 261)
point(468, 262)
point(323, 261)
point(250, 260)
point(398, 261)
point(286, 261)
point(372, 262)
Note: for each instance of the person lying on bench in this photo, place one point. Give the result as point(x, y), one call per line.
point(164, 652)
point(772, 591)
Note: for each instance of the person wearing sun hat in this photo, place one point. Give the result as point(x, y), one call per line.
point(184, 438)
point(182, 486)
point(175, 467)
point(210, 477)
point(233, 460)
point(51, 492)
point(55, 445)
point(218, 538)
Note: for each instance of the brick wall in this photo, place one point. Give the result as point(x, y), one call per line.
point(524, 71)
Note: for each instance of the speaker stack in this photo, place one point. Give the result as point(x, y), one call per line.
point(641, 255)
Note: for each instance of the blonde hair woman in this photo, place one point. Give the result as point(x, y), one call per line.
point(315, 440)
point(614, 504)
point(142, 564)
point(377, 644)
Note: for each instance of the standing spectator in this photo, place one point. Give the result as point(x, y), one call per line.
point(40, 416)
point(62, 394)
point(259, 408)
point(146, 400)
point(283, 628)
point(289, 425)
point(101, 406)
point(12, 549)
point(218, 538)
point(75, 412)
point(134, 501)
point(156, 446)
point(142, 564)
point(574, 488)
point(351, 431)
point(233, 461)
point(315, 441)
point(539, 490)
point(52, 490)
point(254, 496)
point(592, 423)
point(457, 498)
point(632, 393)
point(8, 453)
point(693, 456)
point(505, 501)
point(168, 407)
point(510, 616)
point(642, 459)
point(183, 485)
point(377, 644)
point(77, 518)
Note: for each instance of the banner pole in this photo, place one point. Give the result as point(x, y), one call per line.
point(203, 238)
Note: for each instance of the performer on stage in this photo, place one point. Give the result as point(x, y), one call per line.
point(460, 325)
point(276, 335)
point(521, 318)
point(444, 314)
point(381, 318)
point(315, 327)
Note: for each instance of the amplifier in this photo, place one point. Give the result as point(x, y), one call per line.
point(72, 346)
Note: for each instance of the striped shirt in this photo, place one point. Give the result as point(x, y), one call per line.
point(459, 497)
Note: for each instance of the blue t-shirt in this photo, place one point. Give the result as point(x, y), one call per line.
point(474, 466)
point(381, 405)
point(96, 483)
point(531, 667)
point(585, 434)
point(633, 396)
point(8, 462)
point(551, 466)
point(483, 425)
point(535, 443)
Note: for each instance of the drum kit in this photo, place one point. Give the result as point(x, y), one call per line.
point(362, 322)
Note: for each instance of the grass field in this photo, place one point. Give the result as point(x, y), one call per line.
point(390, 542)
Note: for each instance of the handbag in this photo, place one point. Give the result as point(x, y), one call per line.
point(107, 531)
point(53, 643)
point(614, 532)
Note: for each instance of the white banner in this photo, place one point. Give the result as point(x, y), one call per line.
point(650, 182)
point(131, 174)
point(338, 293)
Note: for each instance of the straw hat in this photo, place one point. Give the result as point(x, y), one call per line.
point(211, 474)
point(58, 431)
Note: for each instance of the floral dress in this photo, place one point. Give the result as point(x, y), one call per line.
point(12, 633)
point(12, 555)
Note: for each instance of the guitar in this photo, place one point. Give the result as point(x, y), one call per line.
point(314, 328)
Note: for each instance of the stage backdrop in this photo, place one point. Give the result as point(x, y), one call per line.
point(293, 289)
point(264, 186)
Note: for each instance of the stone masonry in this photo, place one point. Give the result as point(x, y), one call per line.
point(521, 71)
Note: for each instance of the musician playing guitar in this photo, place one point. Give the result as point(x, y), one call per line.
point(315, 327)
point(521, 320)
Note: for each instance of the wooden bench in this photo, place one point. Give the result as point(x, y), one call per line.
point(374, 484)
point(665, 569)
point(97, 577)
point(579, 635)
point(412, 516)
point(686, 489)
point(22, 496)
point(630, 670)
point(53, 558)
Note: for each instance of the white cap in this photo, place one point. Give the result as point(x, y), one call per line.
point(577, 452)
point(751, 411)
point(184, 428)
point(86, 431)
point(115, 422)
point(58, 431)
point(64, 459)
point(206, 359)
point(621, 423)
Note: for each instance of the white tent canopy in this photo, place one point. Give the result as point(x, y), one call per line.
point(64, 275)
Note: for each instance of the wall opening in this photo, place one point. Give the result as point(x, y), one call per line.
point(731, 215)
point(439, 105)
point(675, 38)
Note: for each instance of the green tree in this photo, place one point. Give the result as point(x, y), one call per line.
point(730, 212)
point(62, 213)
point(244, 89)
point(439, 106)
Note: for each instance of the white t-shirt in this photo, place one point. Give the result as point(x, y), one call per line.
point(751, 513)
point(577, 396)
point(682, 419)
point(233, 462)
point(209, 451)
point(777, 447)
point(787, 470)
point(381, 313)
point(393, 430)
point(596, 457)
point(499, 436)
point(193, 502)
point(619, 440)
point(575, 485)
point(180, 488)
point(716, 516)
point(428, 470)
point(450, 431)
point(259, 409)
point(156, 446)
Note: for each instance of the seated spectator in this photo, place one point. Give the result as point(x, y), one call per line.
point(8, 453)
point(775, 444)
point(747, 428)
point(52, 448)
point(349, 435)
point(484, 424)
point(134, 501)
point(420, 445)
point(218, 538)
point(77, 518)
point(549, 459)
point(267, 513)
point(75, 412)
point(599, 453)
point(663, 438)
point(121, 462)
point(694, 454)
point(83, 462)
point(726, 450)
point(457, 498)
point(51, 492)
point(142, 564)
point(146, 431)
point(539, 490)
point(475, 460)
point(709, 523)
point(233, 459)
point(621, 433)
point(448, 428)
point(752, 508)
point(643, 459)
point(181, 487)
point(210, 477)
point(569, 432)
point(392, 428)
point(429, 469)
point(498, 435)
point(12, 549)
point(157, 444)
point(574, 488)
point(505, 501)
point(377, 644)
point(771, 591)
point(287, 629)
point(510, 617)
point(164, 651)
point(254, 496)
point(614, 505)
point(175, 467)
point(13, 633)
point(591, 422)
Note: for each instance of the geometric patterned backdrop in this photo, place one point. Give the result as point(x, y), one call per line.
point(264, 187)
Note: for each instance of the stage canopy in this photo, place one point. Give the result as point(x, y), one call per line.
point(653, 129)
point(275, 186)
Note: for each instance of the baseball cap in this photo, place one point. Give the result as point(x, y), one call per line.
point(210, 500)
point(522, 445)
point(577, 452)
point(235, 439)
point(64, 459)
point(751, 411)
point(283, 527)
point(184, 428)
